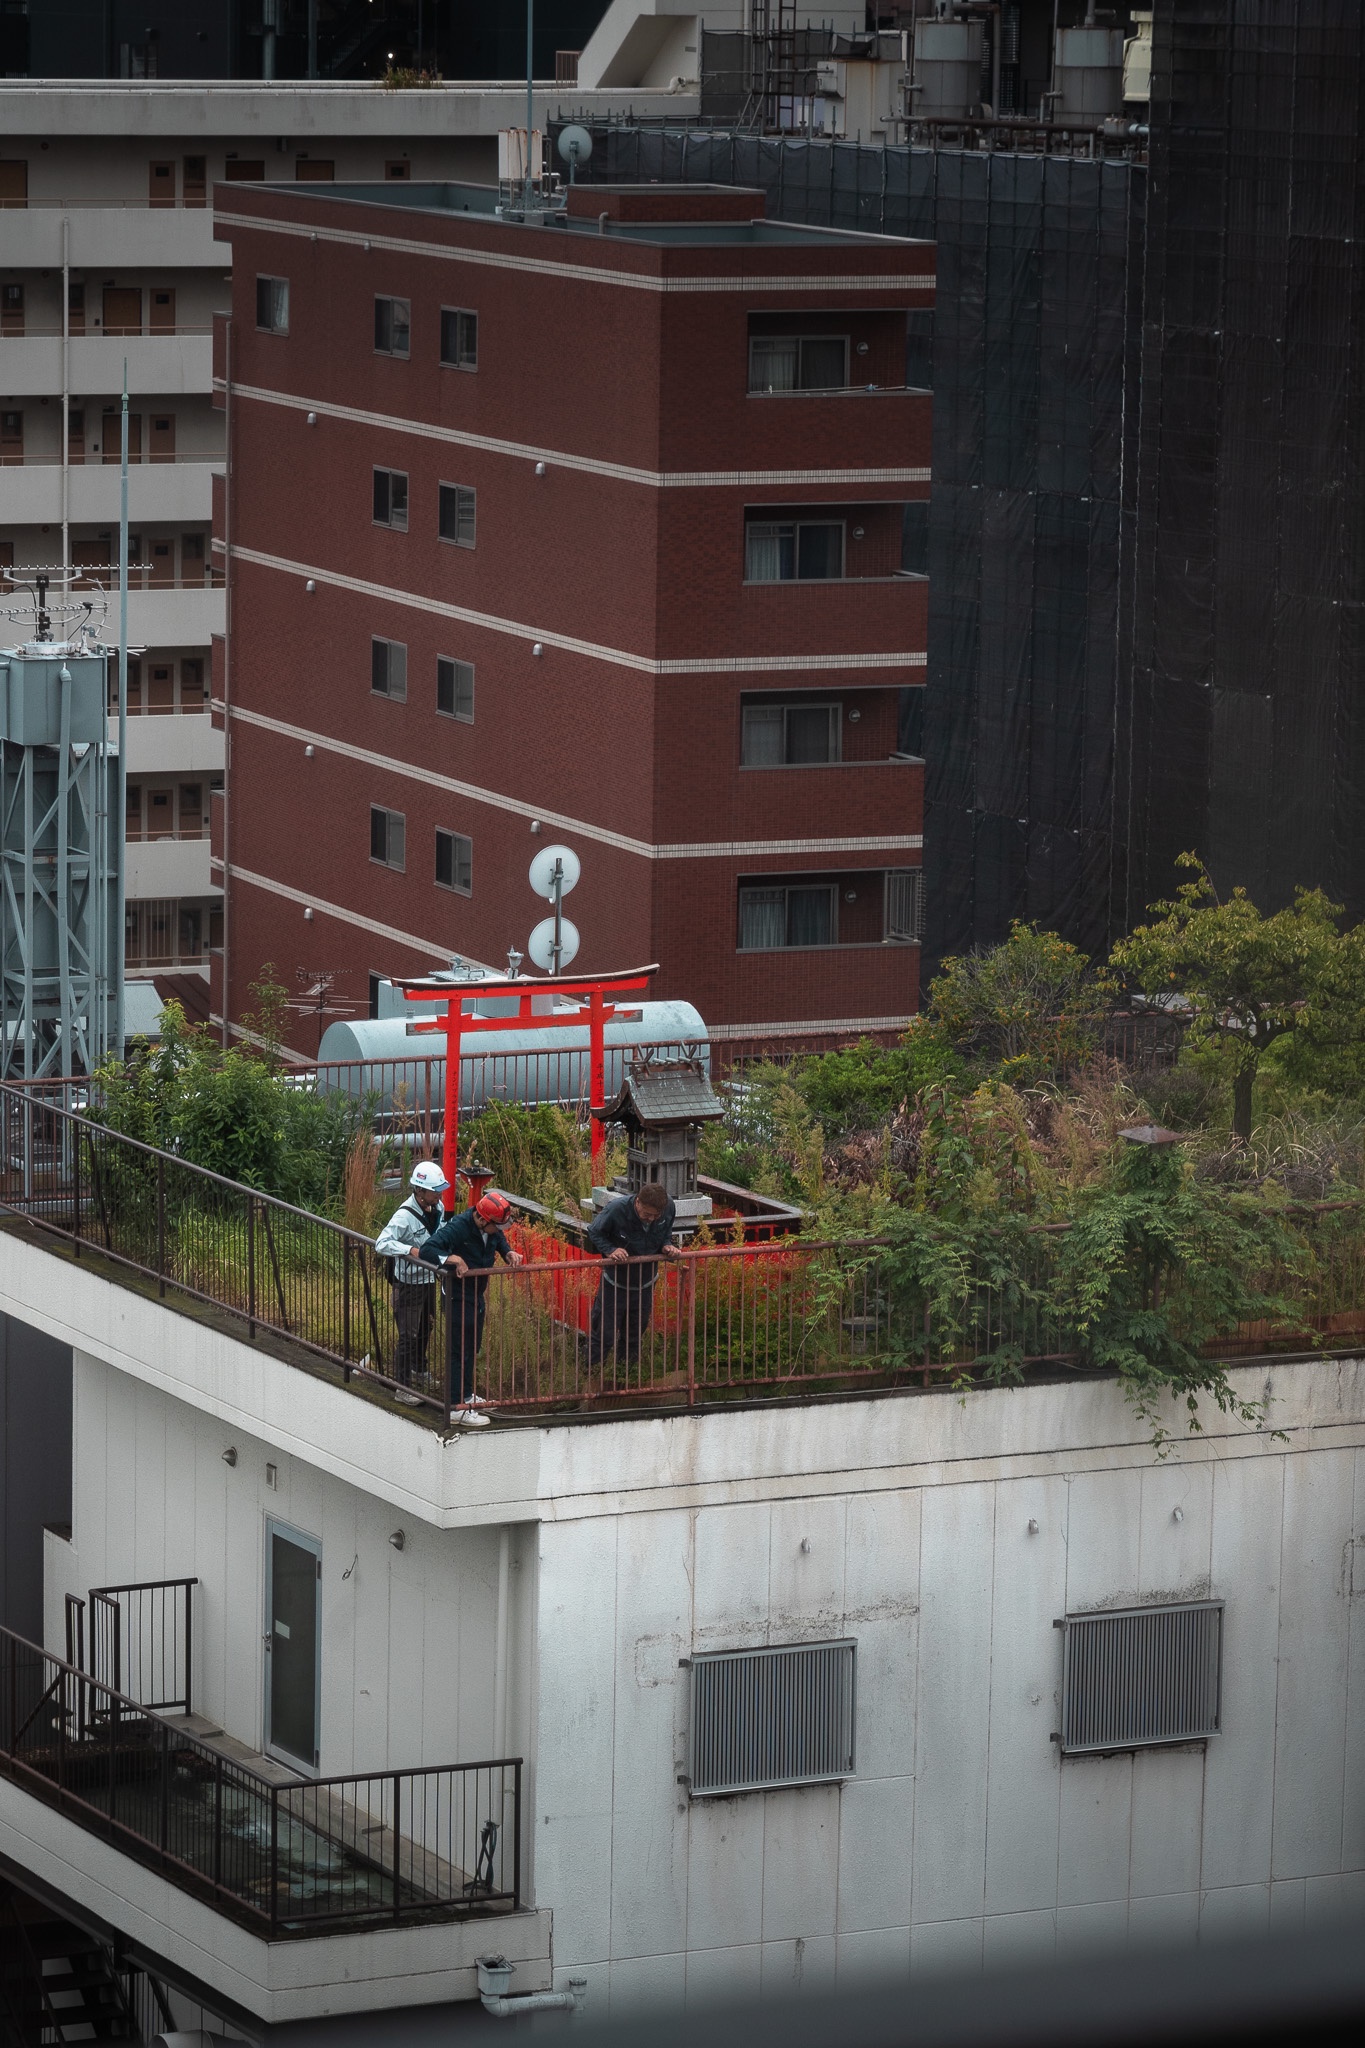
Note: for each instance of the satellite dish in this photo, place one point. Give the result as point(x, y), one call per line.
point(541, 873)
point(540, 945)
point(575, 145)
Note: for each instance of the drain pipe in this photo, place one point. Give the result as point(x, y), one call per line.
point(495, 1974)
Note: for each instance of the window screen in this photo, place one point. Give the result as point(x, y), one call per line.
point(272, 303)
point(1140, 1676)
point(391, 499)
point(762, 1718)
point(454, 861)
point(392, 326)
point(459, 338)
point(790, 735)
point(389, 669)
point(808, 362)
point(793, 551)
point(457, 514)
point(455, 688)
point(388, 837)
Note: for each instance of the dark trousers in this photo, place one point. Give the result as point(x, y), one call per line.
point(620, 1315)
point(412, 1307)
point(466, 1308)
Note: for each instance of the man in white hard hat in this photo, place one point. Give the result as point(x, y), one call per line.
point(414, 1285)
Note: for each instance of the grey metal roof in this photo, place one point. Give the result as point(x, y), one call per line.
point(675, 1092)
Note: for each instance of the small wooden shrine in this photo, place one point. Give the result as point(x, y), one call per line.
point(662, 1105)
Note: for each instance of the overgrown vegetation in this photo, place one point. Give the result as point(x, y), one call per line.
point(991, 1151)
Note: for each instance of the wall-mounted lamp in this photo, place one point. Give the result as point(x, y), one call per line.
point(312, 419)
point(1033, 1528)
point(854, 716)
point(272, 1477)
point(535, 828)
point(857, 532)
point(862, 348)
point(540, 469)
point(536, 648)
point(1177, 1514)
point(805, 1546)
point(398, 1539)
point(308, 753)
point(230, 1455)
point(310, 586)
point(308, 914)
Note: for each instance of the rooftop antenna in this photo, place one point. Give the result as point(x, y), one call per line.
point(530, 107)
point(552, 874)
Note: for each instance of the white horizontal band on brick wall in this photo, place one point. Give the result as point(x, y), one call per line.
point(618, 472)
point(439, 947)
point(619, 657)
point(720, 849)
point(580, 273)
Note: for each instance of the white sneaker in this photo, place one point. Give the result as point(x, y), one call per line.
point(470, 1418)
point(475, 1401)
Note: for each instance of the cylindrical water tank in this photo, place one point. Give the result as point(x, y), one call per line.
point(947, 75)
point(1087, 74)
point(544, 1064)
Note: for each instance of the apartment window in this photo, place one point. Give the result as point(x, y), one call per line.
point(775, 916)
point(194, 181)
point(459, 338)
point(388, 837)
point(455, 689)
point(1140, 1676)
point(454, 862)
point(457, 514)
point(391, 499)
point(903, 906)
point(272, 304)
point(793, 550)
point(398, 167)
point(11, 309)
point(763, 1718)
point(392, 326)
point(389, 669)
point(791, 735)
point(798, 362)
point(11, 437)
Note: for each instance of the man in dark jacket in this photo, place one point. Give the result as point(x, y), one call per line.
point(466, 1246)
point(635, 1226)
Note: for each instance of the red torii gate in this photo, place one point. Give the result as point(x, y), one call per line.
point(600, 991)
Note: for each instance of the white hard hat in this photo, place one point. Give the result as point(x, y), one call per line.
point(429, 1176)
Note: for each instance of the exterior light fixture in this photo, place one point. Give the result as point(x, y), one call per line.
point(536, 648)
point(308, 753)
point(535, 828)
point(230, 1455)
point(1033, 1528)
point(308, 914)
point(857, 533)
point(312, 419)
point(310, 586)
point(398, 1539)
point(540, 469)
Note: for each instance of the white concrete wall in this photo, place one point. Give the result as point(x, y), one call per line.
point(408, 1638)
point(964, 1838)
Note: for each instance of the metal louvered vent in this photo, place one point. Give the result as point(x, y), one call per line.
point(772, 1717)
point(1141, 1675)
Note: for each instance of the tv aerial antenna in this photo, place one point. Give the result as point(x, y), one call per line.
point(553, 945)
point(315, 995)
point(80, 617)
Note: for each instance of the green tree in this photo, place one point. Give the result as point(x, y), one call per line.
point(1030, 1009)
point(1246, 981)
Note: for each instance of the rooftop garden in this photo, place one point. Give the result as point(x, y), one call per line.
point(1014, 1186)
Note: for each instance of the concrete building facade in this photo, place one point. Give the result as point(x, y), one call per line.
point(597, 527)
point(556, 1581)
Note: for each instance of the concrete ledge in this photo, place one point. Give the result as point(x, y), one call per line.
point(283, 1980)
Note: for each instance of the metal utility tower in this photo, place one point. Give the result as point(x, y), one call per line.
point(61, 845)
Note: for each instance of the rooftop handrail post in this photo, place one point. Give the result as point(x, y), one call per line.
point(274, 1859)
point(690, 1291)
point(165, 1832)
point(161, 1224)
point(188, 1590)
point(397, 1845)
point(218, 1824)
point(76, 1190)
point(346, 1310)
point(447, 1346)
point(516, 1832)
point(251, 1265)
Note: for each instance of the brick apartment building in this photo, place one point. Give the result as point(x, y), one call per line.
point(603, 526)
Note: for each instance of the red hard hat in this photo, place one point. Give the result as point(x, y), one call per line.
point(492, 1207)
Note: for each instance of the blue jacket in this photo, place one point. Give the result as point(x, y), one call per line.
point(478, 1248)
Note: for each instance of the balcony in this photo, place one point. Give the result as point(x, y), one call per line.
point(160, 364)
point(168, 868)
point(111, 238)
point(157, 492)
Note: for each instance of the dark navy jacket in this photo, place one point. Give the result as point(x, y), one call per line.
point(619, 1225)
point(462, 1235)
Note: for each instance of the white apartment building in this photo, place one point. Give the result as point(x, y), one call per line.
point(107, 256)
point(936, 1596)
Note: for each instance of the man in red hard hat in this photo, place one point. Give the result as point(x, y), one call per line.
point(466, 1247)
